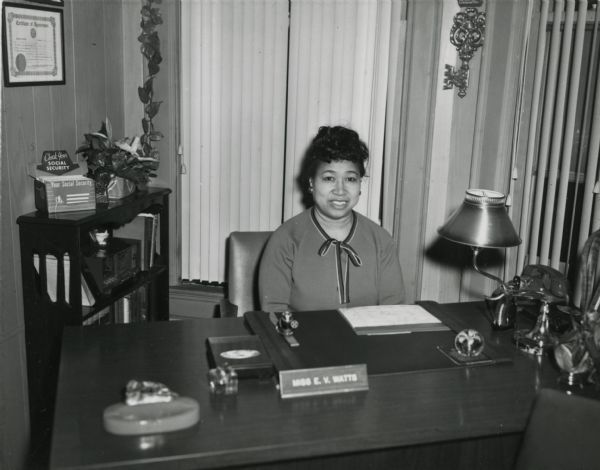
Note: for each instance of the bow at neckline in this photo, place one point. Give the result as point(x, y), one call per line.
point(340, 247)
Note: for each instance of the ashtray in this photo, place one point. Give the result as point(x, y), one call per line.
point(151, 418)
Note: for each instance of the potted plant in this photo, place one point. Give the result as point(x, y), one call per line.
point(119, 166)
point(577, 352)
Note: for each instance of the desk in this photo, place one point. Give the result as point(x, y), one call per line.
point(449, 418)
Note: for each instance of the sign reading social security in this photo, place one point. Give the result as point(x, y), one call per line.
point(323, 380)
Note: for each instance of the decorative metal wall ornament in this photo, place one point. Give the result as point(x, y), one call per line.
point(467, 35)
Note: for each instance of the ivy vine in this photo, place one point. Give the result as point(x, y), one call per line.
point(150, 48)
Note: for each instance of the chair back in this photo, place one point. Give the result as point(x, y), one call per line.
point(562, 433)
point(244, 253)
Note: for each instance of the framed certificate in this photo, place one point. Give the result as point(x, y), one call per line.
point(32, 45)
point(50, 2)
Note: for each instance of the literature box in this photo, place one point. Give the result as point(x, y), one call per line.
point(64, 193)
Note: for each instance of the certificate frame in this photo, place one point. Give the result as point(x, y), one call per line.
point(49, 2)
point(33, 49)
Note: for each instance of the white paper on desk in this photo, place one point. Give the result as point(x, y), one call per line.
point(390, 319)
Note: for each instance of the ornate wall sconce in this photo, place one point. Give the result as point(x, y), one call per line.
point(467, 35)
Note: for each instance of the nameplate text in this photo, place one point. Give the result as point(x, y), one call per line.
point(323, 380)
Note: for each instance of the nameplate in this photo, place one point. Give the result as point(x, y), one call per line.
point(323, 381)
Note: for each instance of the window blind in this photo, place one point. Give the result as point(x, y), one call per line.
point(234, 68)
point(338, 74)
point(251, 102)
point(564, 137)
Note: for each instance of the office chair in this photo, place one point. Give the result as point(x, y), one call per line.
point(244, 252)
point(562, 433)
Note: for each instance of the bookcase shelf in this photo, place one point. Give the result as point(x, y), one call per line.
point(53, 236)
point(131, 285)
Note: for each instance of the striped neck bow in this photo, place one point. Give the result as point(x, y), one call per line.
point(340, 247)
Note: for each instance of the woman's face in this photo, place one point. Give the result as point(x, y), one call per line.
point(336, 188)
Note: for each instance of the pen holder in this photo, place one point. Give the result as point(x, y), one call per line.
point(287, 324)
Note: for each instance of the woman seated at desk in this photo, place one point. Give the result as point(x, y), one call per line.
point(330, 256)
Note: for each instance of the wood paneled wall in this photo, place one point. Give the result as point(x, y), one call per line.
point(41, 118)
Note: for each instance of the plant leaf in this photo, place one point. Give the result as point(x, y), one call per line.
point(153, 68)
point(144, 98)
point(156, 136)
point(148, 86)
point(152, 108)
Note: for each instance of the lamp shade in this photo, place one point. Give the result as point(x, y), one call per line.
point(481, 221)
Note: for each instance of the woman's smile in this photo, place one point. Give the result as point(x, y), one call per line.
point(340, 204)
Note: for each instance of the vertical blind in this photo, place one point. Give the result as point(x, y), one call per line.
point(252, 100)
point(564, 135)
point(338, 74)
point(234, 60)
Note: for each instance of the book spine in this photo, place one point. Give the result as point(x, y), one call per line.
point(153, 242)
point(127, 309)
point(99, 318)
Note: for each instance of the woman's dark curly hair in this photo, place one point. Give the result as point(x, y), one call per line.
point(333, 144)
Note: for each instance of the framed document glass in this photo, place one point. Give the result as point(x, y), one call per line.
point(49, 2)
point(32, 45)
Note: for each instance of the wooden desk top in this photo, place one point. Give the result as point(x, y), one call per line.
point(256, 426)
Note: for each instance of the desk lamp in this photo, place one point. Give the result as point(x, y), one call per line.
point(482, 222)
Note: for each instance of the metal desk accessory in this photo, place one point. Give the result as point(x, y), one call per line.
point(546, 286)
point(285, 324)
point(538, 339)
